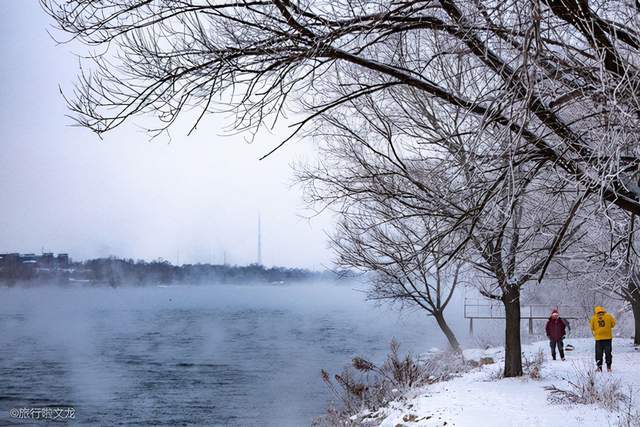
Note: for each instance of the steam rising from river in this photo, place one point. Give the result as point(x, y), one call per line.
point(228, 354)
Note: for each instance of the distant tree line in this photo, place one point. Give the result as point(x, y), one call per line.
point(113, 271)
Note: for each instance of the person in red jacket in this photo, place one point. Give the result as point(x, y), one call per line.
point(556, 329)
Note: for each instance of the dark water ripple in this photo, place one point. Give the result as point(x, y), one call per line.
point(220, 355)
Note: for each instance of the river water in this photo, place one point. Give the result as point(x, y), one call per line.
point(190, 355)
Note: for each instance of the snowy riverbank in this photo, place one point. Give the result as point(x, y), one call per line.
point(482, 398)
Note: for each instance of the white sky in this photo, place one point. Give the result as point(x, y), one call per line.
point(64, 190)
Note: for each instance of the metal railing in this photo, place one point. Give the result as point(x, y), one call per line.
point(528, 312)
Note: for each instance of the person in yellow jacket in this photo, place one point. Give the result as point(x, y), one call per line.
point(602, 324)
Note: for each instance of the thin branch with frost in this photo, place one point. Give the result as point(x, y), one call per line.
point(558, 79)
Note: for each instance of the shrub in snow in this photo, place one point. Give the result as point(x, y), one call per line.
point(589, 387)
point(364, 387)
point(496, 375)
point(532, 365)
point(629, 416)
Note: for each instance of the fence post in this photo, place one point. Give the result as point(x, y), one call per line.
point(530, 320)
point(471, 326)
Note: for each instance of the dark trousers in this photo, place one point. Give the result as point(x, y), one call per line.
point(560, 345)
point(603, 346)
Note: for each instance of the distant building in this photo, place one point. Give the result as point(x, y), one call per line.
point(30, 259)
point(62, 260)
point(46, 260)
point(9, 259)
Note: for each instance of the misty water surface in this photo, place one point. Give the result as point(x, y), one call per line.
point(188, 355)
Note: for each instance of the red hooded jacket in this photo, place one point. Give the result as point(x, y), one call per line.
point(556, 328)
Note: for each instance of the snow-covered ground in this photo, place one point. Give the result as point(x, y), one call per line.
point(480, 398)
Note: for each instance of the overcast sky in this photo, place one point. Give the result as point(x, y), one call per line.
point(64, 190)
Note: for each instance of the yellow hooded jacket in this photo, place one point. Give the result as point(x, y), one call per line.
point(601, 324)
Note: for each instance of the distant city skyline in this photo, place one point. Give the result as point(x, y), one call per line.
point(214, 259)
point(222, 260)
point(65, 190)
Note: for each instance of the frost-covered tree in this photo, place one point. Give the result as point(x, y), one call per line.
point(623, 261)
point(611, 260)
point(559, 78)
point(403, 269)
point(417, 193)
point(533, 87)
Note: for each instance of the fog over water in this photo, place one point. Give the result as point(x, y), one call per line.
point(189, 355)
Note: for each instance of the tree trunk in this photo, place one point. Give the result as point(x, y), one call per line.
point(635, 308)
point(453, 341)
point(512, 345)
point(633, 296)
